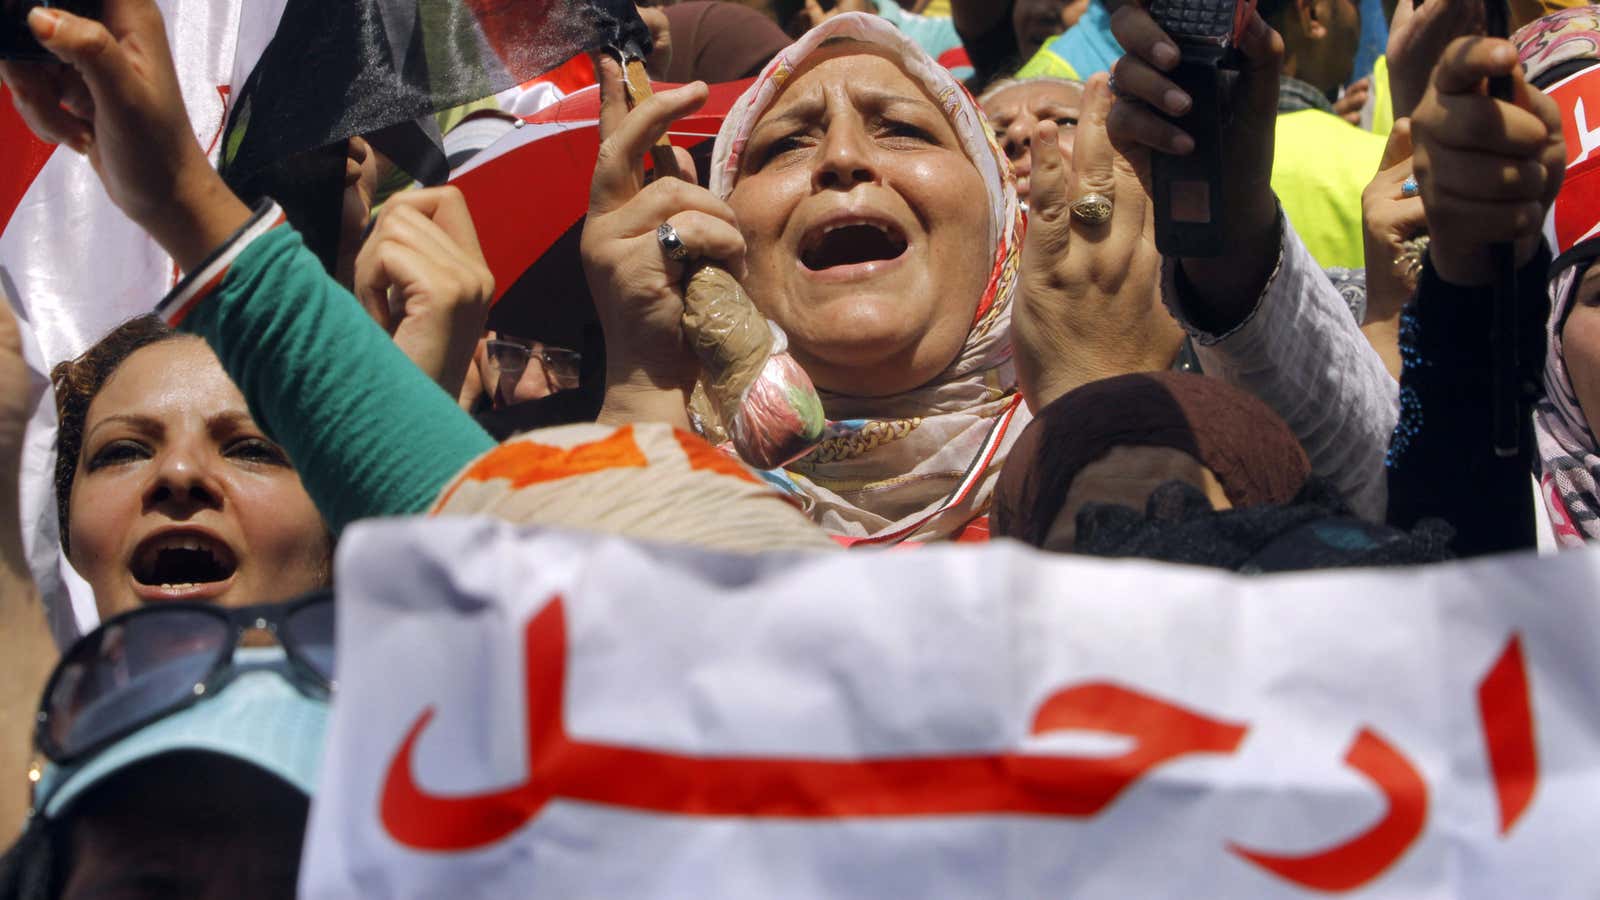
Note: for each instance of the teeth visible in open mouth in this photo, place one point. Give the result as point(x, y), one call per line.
point(182, 561)
point(852, 241)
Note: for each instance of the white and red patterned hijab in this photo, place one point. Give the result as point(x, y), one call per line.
point(920, 465)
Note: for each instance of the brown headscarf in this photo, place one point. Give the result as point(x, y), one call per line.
point(715, 41)
point(1244, 443)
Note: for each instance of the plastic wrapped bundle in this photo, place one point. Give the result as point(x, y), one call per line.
point(765, 400)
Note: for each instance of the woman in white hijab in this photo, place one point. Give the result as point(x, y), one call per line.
point(858, 189)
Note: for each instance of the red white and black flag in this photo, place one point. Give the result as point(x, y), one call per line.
point(268, 83)
point(381, 68)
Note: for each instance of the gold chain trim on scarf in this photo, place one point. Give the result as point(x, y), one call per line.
point(874, 435)
point(1003, 286)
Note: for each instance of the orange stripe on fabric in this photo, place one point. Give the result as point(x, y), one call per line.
point(705, 458)
point(524, 463)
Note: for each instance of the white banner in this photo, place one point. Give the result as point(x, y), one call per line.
point(526, 714)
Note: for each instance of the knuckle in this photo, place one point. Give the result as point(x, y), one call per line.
point(609, 154)
point(1095, 181)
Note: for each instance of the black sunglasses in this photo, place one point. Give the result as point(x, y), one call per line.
point(147, 664)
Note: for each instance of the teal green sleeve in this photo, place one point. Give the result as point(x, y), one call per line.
point(369, 433)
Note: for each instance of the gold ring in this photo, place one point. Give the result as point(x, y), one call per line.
point(1092, 209)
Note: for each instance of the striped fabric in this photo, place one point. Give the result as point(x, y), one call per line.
point(199, 284)
point(646, 481)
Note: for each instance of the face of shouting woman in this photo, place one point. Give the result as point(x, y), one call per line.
point(868, 228)
point(179, 496)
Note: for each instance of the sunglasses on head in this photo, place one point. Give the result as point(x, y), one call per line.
point(147, 664)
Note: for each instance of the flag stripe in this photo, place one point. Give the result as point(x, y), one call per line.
point(25, 157)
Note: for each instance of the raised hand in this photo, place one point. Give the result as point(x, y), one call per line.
point(1349, 105)
point(660, 40)
point(1417, 38)
point(1390, 219)
point(1228, 286)
point(114, 97)
point(14, 411)
point(422, 276)
point(1089, 305)
point(1488, 169)
point(638, 292)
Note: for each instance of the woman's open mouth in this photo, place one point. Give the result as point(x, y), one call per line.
point(182, 565)
point(851, 248)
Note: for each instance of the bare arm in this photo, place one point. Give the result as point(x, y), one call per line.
point(26, 650)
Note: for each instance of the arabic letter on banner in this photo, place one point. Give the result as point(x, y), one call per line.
point(539, 714)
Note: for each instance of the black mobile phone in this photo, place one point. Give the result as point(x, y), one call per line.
point(16, 39)
point(1188, 189)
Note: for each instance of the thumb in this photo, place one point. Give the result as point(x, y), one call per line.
point(1470, 60)
point(1398, 150)
point(1262, 47)
point(84, 44)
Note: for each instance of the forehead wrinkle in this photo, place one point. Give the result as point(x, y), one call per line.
point(812, 107)
point(138, 422)
point(786, 108)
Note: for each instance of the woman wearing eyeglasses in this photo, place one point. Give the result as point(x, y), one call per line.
point(510, 370)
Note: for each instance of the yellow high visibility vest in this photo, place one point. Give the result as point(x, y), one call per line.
point(1046, 64)
point(1382, 103)
point(1321, 164)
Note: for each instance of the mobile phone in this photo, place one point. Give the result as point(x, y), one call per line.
point(16, 39)
point(1188, 189)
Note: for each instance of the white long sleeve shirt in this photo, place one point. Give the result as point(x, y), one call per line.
point(1303, 354)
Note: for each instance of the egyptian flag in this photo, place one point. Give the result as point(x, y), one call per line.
point(72, 266)
point(382, 68)
point(268, 85)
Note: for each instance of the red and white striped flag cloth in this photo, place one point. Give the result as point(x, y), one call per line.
point(263, 81)
point(528, 188)
point(73, 266)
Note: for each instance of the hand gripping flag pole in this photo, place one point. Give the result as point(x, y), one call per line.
point(765, 401)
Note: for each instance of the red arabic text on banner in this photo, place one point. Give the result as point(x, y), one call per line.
point(565, 715)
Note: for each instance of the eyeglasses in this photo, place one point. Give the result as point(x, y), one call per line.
point(147, 664)
point(561, 365)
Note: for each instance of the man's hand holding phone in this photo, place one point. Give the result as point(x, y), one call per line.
point(1226, 287)
point(114, 97)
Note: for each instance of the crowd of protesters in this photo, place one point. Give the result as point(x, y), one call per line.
point(972, 285)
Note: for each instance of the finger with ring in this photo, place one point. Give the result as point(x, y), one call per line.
point(1409, 187)
point(671, 244)
point(1092, 209)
